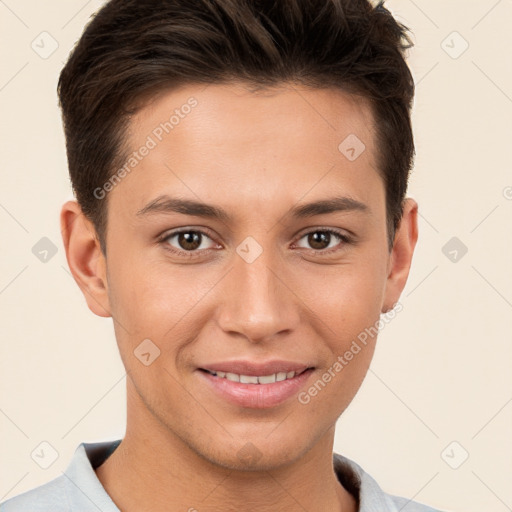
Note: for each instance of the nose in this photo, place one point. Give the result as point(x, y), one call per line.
point(258, 300)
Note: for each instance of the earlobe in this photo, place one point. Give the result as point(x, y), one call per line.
point(401, 254)
point(85, 259)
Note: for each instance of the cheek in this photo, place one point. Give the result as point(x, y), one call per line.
point(155, 300)
point(349, 306)
point(347, 297)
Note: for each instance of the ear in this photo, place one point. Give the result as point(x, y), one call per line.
point(400, 260)
point(85, 258)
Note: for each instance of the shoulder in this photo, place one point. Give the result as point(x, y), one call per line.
point(76, 489)
point(371, 497)
point(49, 496)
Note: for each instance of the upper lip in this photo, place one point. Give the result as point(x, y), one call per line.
point(251, 368)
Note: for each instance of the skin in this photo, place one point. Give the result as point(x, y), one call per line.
point(256, 155)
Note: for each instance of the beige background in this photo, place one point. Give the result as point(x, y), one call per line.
point(442, 370)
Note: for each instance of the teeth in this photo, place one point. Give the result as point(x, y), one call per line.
point(249, 379)
point(267, 379)
point(253, 379)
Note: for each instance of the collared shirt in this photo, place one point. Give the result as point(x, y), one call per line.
point(78, 489)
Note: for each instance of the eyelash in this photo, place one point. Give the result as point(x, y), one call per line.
point(345, 239)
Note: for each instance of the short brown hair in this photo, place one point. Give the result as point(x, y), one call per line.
point(132, 48)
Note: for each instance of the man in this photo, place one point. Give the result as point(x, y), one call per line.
point(240, 170)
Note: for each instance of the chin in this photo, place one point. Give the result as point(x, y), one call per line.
point(257, 454)
point(249, 458)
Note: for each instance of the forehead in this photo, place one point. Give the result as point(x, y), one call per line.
point(323, 114)
point(216, 139)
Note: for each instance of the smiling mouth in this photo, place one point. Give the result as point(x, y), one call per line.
point(256, 387)
point(255, 379)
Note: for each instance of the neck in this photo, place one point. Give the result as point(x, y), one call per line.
point(152, 469)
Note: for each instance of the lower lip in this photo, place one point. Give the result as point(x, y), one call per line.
point(256, 396)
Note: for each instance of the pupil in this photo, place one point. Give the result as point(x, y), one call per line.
point(318, 238)
point(189, 240)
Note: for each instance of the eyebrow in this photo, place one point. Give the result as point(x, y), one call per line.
point(167, 204)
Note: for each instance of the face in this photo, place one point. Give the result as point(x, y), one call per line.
point(246, 253)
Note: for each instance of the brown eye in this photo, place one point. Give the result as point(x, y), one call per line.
point(187, 241)
point(319, 239)
point(323, 240)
